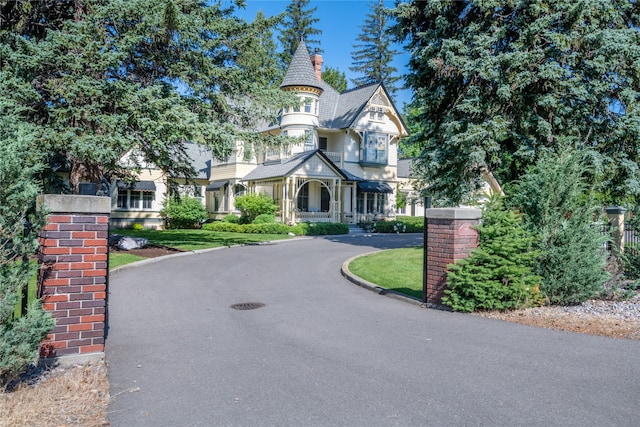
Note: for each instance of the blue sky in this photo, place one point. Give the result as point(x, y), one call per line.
point(340, 23)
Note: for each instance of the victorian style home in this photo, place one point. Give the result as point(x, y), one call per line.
point(344, 170)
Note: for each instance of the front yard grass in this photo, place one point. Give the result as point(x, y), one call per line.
point(399, 270)
point(190, 240)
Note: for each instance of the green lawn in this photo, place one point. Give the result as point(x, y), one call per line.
point(399, 270)
point(117, 259)
point(190, 240)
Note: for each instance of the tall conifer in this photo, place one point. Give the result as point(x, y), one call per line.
point(298, 25)
point(497, 83)
point(373, 54)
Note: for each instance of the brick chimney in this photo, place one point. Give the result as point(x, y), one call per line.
point(316, 61)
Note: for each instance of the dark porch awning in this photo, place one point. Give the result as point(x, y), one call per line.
point(216, 185)
point(374, 187)
point(137, 186)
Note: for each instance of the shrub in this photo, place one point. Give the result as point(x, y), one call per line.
point(183, 212)
point(326, 228)
point(400, 225)
point(558, 203)
point(231, 218)
point(19, 337)
point(252, 205)
point(414, 224)
point(498, 275)
point(224, 227)
point(264, 219)
point(137, 226)
point(265, 228)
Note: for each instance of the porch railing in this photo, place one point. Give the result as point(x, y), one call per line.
point(313, 216)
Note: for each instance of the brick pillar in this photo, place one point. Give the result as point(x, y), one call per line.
point(72, 280)
point(450, 238)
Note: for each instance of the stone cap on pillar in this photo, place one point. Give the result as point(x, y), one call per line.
point(453, 213)
point(71, 203)
point(615, 210)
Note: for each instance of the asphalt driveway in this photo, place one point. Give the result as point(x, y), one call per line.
point(324, 352)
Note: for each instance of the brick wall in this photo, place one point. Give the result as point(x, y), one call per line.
point(451, 237)
point(72, 282)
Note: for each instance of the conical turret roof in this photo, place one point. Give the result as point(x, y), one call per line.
point(301, 72)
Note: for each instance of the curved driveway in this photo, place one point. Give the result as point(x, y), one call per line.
point(323, 352)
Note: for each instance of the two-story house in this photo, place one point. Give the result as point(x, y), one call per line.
point(343, 170)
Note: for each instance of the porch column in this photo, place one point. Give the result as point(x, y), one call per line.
point(354, 203)
point(338, 205)
point(285, 201)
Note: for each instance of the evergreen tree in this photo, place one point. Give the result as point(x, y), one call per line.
point(497, 82)
point(558, 203)
point(373, 55)
point(335, 78)
point(499, 274)
point(298, 25)
point(19, 337)
point(135, 77)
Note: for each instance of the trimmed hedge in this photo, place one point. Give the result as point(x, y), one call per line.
point(405, 224)
point(225, 227)
point(326, 228)
point(303, 229)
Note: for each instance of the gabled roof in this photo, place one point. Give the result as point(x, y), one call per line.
point(348, 107)
point(300, 71)
point(288, 166)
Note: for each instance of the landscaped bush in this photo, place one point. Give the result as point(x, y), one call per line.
point(414, 224)
point(266, 228)
point(303, 229)
point(498, 275)
point(137, 226)
point(223, 227)
point(183, 212)
point(264, 219)
point(19, 337)
point(231, 218)
point(557, 202)
point(404, 224)
point(252, 205)
point(326, 228)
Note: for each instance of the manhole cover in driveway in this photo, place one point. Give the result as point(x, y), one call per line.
point(247, 306)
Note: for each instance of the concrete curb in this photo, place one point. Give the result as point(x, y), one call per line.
point(346, 273)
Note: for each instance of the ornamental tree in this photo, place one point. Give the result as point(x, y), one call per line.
point(497, 83)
